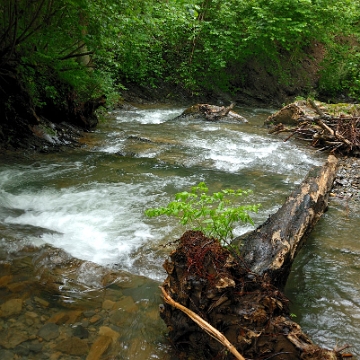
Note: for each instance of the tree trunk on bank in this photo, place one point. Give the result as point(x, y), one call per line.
point(241, 295)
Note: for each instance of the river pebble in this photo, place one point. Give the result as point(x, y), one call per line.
point(41, 323)
point(347, 181)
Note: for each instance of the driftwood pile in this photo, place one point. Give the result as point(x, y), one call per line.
point(212, 113)
point(211, 289)
point(335, 128)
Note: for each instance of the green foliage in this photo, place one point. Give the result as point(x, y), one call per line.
point(198, 44)
point(214, 215)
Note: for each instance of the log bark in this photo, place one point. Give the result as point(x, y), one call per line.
point(271, 249)
point(241, 295)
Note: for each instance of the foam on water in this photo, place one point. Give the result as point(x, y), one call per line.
point(237, 151)
point(149, 116)
point(103, 223)
point(97, 214)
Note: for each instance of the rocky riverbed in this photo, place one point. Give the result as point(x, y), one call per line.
point(56, 307)
point(347, 182)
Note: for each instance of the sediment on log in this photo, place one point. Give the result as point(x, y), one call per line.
point(240, 295)
point(334, 128)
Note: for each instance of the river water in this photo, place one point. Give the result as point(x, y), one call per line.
point(90, 202)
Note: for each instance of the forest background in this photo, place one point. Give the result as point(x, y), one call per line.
point(56, 55)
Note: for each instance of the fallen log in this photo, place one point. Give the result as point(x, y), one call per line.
point(212, 113)
point(271, 249)
point(240, 293)
point(332, 127)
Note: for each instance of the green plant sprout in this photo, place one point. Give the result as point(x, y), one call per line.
point(214, 215)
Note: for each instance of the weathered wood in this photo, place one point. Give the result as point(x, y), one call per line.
point(271, 248)
point(328, 127)
point(203, 324)
point(212, 113)
point(241, 296)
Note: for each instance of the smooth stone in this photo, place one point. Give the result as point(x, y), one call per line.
point(11, 307)
point(96, 318)
point(56, 355)
point(4, 280)
point(69, 317)
point(59, 318)
point(99, 347)
point(22, 350)
point(11, 338)
point(80, 332)
point(19, 286)
point(106, 331)
point(49, 331)
point(41, 302)
point(89, 313)
point(6, 355)
point(36, 347)
point(108, 304)
point(127, 304)
point(73, 346)
point(74, 315)
point(117, 317)
point(31, 318)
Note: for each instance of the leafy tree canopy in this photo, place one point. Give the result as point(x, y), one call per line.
point(93, 46)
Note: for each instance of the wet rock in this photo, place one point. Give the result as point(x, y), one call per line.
point(11, 307)
point(108, 305)
point(31, 317)
point(12, 337)
point(49, 331)
point(35, 347)
point(346, 184)
point(41, 302)
point(22, 350)
point(59, 318)
point(56, 355)
point(6, 355)
point(99, 347)
point(107, 331)
point(73, 316)
point(89, 313)
point(73, 346)
point(95, 319)
point(19, 286)
point(117, 317)
point(80, 332)
point(4, 280)
point(127, 304)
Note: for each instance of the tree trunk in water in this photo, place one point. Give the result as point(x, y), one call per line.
point(270, 249)
point(240, 295)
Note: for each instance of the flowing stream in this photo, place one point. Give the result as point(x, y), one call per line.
point(90, 202)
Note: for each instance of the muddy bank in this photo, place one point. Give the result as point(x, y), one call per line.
point(48, 126)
